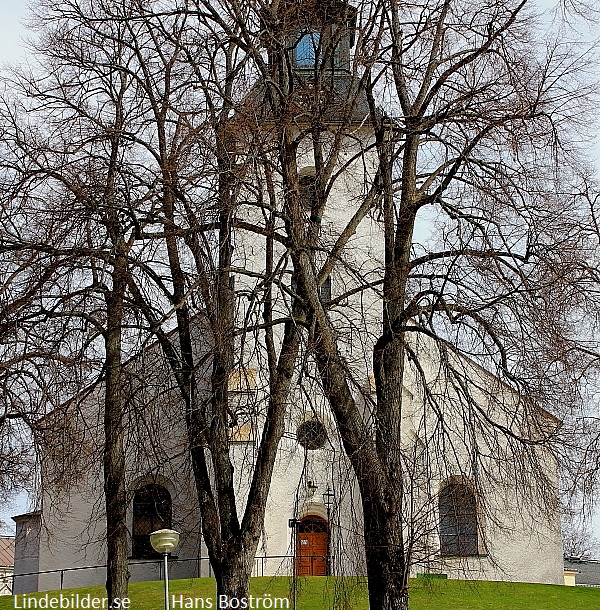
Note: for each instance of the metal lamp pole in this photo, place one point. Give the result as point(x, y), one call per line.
point(166, 579)
point(328, 497)
point(165, 541)
point(293, 524)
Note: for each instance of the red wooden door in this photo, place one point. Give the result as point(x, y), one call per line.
point(311, 548)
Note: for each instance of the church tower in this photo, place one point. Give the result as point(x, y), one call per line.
point(309, 45)
point(317, 35)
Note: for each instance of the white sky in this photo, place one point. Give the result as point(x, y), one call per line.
point(12, 13)
point(12, 33)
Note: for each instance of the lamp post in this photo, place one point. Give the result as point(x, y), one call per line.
point(328, 497)
point(293, 524)
point(165, 541)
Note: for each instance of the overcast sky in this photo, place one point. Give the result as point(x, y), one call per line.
point(13, 13)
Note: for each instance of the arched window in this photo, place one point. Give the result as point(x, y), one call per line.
point(308, 191)
point(305, 50)
point(151, 512)
point(325, 290)
point(310, 525)
point(458, 520)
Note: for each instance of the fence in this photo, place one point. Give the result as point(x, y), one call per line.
point(267, 565)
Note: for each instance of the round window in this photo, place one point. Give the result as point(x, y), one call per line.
point(312, 434)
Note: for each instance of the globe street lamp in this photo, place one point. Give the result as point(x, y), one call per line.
point(165, 541)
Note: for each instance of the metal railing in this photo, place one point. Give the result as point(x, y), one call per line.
point(197, 567)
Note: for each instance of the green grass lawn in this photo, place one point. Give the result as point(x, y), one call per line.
point(318, 593)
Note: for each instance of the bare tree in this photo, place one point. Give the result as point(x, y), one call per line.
point(21, 282)
point(198, 216)
point(74, 165)
point(442, 106)
point(482, 136)
point(467, 119)
point(579, 541)
point(134, 192)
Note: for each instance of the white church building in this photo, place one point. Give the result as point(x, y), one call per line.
point(483, 529)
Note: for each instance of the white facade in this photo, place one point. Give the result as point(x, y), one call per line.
point(514, 542)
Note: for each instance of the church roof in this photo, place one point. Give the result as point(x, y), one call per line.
point(7, 551)
point(340, 100)
point(588, 571)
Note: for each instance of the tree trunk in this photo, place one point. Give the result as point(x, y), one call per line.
point(117, 573)
point(386, 564)
point(376, 465)
point(233, 577)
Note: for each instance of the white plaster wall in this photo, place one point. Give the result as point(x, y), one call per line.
point(517, 501)
point(521, 544)
point(72, 529)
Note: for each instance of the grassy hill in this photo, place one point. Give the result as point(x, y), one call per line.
point(318, 593)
